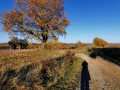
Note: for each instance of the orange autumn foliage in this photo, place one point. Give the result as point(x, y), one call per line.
point(99, 42)
point(80, 44)
point(39, 19)
point(56, 45)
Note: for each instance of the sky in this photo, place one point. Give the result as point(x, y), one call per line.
point(88, 19)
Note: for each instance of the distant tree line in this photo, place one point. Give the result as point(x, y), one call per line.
point(23, 43)
point(14, 42)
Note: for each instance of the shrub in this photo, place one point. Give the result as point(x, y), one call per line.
point(99, 42)
point(34, 45)
point(14, 42)
point(55, 45)
point(79, 44)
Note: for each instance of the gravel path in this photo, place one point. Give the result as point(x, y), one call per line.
point(104, 74)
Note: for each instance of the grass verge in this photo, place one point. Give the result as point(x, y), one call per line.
point(70, 78)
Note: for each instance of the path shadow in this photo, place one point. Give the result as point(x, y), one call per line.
point(85, 76)
point(93, 53)
point(110, 54)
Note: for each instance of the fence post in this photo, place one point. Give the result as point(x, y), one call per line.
point(19, 48)
point(10, 49)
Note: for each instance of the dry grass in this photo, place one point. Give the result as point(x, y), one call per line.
point(16, 59)
point(35, 70)
point(80, 50)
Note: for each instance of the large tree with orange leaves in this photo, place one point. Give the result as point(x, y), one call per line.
point(40, 19)
point(99, 42)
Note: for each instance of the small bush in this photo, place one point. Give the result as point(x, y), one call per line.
point(55, 45)
point(80, 44)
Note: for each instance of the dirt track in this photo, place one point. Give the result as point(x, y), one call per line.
point(104, 74)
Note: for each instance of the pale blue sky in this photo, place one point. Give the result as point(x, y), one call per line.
point(89, 19)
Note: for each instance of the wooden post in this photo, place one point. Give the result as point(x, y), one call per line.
point(10, 50)
point(19, 48)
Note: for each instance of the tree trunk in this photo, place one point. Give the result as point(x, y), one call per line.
point(44, 35)
point(45, 38)
point(14, 46)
